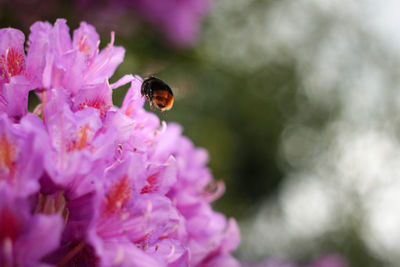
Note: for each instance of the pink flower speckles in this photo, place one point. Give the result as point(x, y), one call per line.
point(14, 86)
point(93, 183)
point(12, 57)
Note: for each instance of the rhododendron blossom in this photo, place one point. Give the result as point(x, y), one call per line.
point(83, 182)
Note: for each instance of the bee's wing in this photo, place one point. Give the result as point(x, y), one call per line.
point(154, 67)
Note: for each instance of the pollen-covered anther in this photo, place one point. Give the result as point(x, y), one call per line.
point(141, 242)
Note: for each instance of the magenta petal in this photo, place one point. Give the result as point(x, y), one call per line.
point(132, 190)
point(206, 230)
point(159, 218)
point(10, 37)
point(23, 147)
point(73, 64)
point(86, 39)
point(15, 94)
point(32, 159)
point(133, 101)
point(49, 72)
point(98, 96)
point(124, 80)
point(141, 222)
point(171, 251)
point(231, 238)
point(161, 178)
point(80, 150)
point(12, 56)
point(21, 233)
point(123, 254)
point(168, 140)
point(38, 46)
point(56, 100)
point(50, 61)
point(104, 64)
point(124, 124)
point(60, 40)
point(47, 229)
point(129, 255)
point(132, 167)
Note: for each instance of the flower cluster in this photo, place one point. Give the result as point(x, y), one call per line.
point(83, 182)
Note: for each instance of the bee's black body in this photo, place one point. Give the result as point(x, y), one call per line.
point(157, 93)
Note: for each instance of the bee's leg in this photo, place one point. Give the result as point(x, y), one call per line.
point(151, 105)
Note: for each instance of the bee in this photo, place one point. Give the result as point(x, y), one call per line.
point(157, 93)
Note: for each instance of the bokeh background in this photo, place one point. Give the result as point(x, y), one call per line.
point(297, 102)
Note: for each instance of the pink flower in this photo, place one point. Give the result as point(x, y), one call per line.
point(12, 56)
point(22, 150)
point(60, 62)
point(21, 232)
point(117, 187)
point(210, 236)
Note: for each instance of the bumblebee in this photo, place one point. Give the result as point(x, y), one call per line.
point(157, 93)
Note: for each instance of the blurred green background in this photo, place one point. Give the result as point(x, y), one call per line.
point(296, 102)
